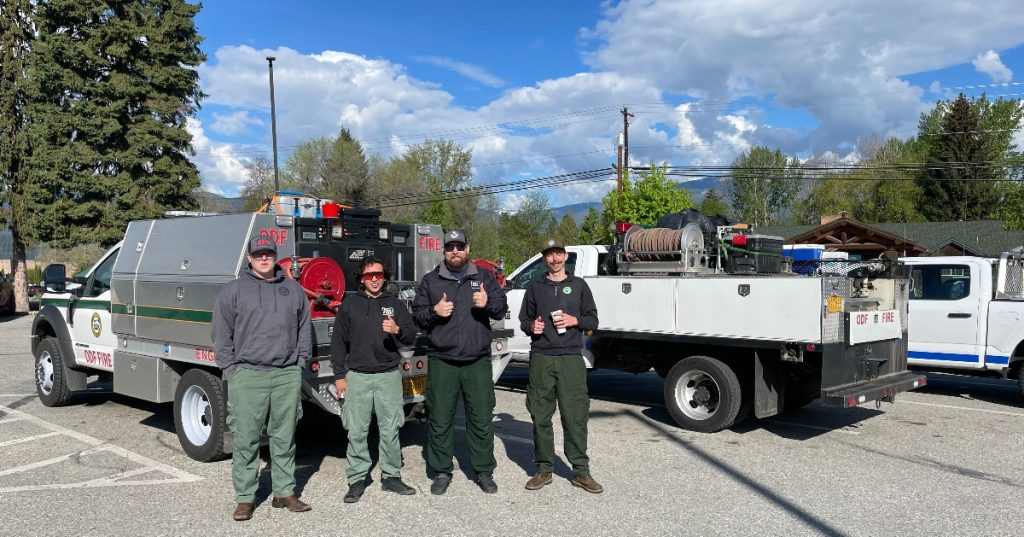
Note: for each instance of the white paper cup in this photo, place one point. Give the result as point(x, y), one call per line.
point(555, 315)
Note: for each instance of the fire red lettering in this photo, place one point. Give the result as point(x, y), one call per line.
point(430, 244)
point(279, 236)
point(205, 355)
point(102, 359)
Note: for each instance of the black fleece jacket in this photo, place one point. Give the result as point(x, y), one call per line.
point(571, 295)
point(360, 344)
point(466, 334)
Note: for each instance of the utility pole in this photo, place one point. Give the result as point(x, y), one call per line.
point(625, 141)
point(618, 155)
point(273, 121)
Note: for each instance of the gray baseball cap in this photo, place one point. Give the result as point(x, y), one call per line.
point(455, 236)
point(262, 243)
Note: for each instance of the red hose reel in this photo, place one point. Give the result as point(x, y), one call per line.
point(323, 281)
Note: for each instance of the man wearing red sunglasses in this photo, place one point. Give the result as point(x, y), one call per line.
point(455, 303)
point(368, 331)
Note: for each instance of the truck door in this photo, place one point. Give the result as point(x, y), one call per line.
point(94, 339)
point(945, 317)
point(519, 343)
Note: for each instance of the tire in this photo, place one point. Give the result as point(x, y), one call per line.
point(1020, 380)
point(200, 414)
point(51, 386)
point(703, 394)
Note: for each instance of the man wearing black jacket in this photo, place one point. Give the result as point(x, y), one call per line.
point(368, 330)
point(557, 308)
point(455, 303)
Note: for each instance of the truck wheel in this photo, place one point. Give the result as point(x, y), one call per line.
point(703, 394)
point(200, 413)
point(1020, 380)
point(51, 385)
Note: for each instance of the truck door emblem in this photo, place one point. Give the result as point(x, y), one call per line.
point(627, 287)
point(96, 325)
point(744, 289)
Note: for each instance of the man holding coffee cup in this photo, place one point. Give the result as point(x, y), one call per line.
point(557, 308)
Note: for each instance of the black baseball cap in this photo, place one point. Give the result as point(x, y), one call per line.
point(455, 236)
point(262, 243)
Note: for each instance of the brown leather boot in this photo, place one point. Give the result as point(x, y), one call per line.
point(538, 481)
point(588, 484)
point(243, 511)
point(293, 503)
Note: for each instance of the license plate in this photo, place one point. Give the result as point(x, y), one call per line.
point(835, 303)
point(414, 385)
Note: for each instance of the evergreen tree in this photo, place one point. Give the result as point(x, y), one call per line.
point(115, 83)
point(593, 229)
point(346, 171)
point(963, 163)
point(713, 204)
point(16, 189)
point(566, 231)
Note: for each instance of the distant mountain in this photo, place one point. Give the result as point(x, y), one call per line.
point(697, 188)
point(215, 202)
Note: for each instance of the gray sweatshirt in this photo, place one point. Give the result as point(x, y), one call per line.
point(260, 324)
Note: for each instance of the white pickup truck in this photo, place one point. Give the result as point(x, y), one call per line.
point(734, 344)
point(967, 314)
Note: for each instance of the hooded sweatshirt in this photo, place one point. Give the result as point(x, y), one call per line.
point(360, 344)
point(464, 336)
point(261, 324)
point(571, 295)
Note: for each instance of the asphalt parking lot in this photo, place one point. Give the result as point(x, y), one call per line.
point(942, 460)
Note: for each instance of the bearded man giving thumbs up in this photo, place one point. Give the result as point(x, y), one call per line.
point(455, 304)
point(368, 331)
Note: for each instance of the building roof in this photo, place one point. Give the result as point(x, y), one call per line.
point(987, 236)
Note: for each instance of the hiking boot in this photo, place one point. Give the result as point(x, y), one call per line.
point(588, 484)
point(395, 484)
point(487, 484)
point(293, 503)
point(440, 484)
point(355, 491)
point(243, 511)
point(538, 481)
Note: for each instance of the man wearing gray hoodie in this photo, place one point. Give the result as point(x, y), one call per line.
point(262, 340)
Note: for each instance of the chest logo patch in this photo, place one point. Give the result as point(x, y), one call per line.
point(283, 291)
point(386, 311)
point(567, 290)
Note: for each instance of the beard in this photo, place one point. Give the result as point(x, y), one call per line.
point(457, 263)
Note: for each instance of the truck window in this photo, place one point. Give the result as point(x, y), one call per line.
point(940, 282)
point(537, 268)
point(101, 277)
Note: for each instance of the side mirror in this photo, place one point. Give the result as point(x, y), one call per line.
point(54, 277)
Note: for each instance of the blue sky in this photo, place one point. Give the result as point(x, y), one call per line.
point(533, 88)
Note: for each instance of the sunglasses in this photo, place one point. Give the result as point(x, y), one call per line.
point(451, 247)
point(263, 255)
point(369, 276)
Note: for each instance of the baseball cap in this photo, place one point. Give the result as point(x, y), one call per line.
point(552, 244)
point(262, 243)
point(455, 236)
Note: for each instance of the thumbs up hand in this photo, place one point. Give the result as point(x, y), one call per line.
point(444, 306)
point(389, 326)
point(480, 297)
point(538, 325)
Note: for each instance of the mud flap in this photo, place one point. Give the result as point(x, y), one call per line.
point(769, 386)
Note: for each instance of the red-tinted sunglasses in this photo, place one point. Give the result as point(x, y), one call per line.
point(368, 276)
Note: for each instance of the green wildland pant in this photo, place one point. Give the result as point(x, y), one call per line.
point(445, 381)
point(561, 379)
point(368, 394)
point(252, 397)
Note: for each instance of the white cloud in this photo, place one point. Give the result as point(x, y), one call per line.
point(839, 61)
point(222, 170)
point(472, 72)
point(990, 64)
point(235, 123)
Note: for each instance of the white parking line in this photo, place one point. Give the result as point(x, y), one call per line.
point(8, 420)
point(986, 411)
point(16, 394)
point(98, 446)
point(27, 439)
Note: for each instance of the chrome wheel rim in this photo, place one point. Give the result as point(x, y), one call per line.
point(196, 415)
point(44, 372)
point(697, 395)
